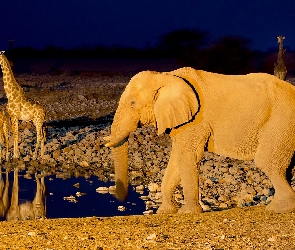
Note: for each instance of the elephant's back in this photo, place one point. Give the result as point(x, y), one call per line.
point(254, 87)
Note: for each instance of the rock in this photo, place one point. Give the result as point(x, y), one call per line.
point(60, 175)
point(223, 205)
point(76, 185)
point(154, 187)
point(56, 154)
point(151, 237)
point(79, 194)
point(139, 188)
point(102, 190)
point(81, 98)
point(84, 164)
point(27, 176)
point(70, 198)
point(121, 208)
point(112, 189)
point(208, 182)
point(205, 207)
point(66, 150)
point(222, 198)
point(148, 212)
point(144, 197)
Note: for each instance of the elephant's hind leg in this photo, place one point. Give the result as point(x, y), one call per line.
point(274, 158)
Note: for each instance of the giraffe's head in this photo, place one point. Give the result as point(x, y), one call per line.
point(280, 39)
point(1, 54)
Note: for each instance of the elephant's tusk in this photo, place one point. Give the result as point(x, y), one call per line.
point(107, 138)
point(108, 145)
point(107, 142)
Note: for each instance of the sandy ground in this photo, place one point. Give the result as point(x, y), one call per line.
point(247, 228)
point(238, 228)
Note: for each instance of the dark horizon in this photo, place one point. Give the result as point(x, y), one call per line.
point(135, 24)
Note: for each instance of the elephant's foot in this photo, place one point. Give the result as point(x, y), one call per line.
point(194, 209)
point(167, 209)
point(282, 205)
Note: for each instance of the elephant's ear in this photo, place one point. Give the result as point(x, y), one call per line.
point(175, 103)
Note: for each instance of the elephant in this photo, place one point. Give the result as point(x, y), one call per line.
point(246, 117)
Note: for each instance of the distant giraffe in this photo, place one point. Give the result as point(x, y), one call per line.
point(20, 107)
point(280, 69)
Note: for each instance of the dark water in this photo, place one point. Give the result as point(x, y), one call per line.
point(50, 195)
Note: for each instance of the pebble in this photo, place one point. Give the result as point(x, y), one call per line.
point(153, 187)
point(139, 188)
point(121, 208)
point(84, 164)
point(32, 233)
point(148, 212)
point(112, 189)
point(102, 190)
point(151, 237)
point(143, 197)
point(79, 194)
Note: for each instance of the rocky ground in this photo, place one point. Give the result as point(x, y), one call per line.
point(79, 114)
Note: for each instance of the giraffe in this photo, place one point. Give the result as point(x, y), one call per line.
point(30, 210)
point(4, 125)
point(280, 69)
point(20, 107)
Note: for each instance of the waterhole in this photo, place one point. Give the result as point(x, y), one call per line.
point(24, 198)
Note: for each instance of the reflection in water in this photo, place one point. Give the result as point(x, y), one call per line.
point(3, 194)
point(28, 210)
point(23, 197)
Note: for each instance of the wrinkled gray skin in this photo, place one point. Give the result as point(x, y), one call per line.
point(243, 117)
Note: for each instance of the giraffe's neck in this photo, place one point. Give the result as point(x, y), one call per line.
point(11, 87)
point(281, 50)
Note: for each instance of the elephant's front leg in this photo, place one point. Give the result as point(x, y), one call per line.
point(170, 180)
point(189, 154)
point(190, 183)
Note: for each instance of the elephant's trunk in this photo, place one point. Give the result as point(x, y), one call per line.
point(124, 123)
point(120, 156)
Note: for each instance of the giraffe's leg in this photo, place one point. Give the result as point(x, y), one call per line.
point(5, 133)
point(5, 194)
point(13, 211)
point(43, 141)
point(1, 143)
point(14, 126)
point(40, 138)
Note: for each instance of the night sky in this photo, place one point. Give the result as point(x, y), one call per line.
point(139, 23)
